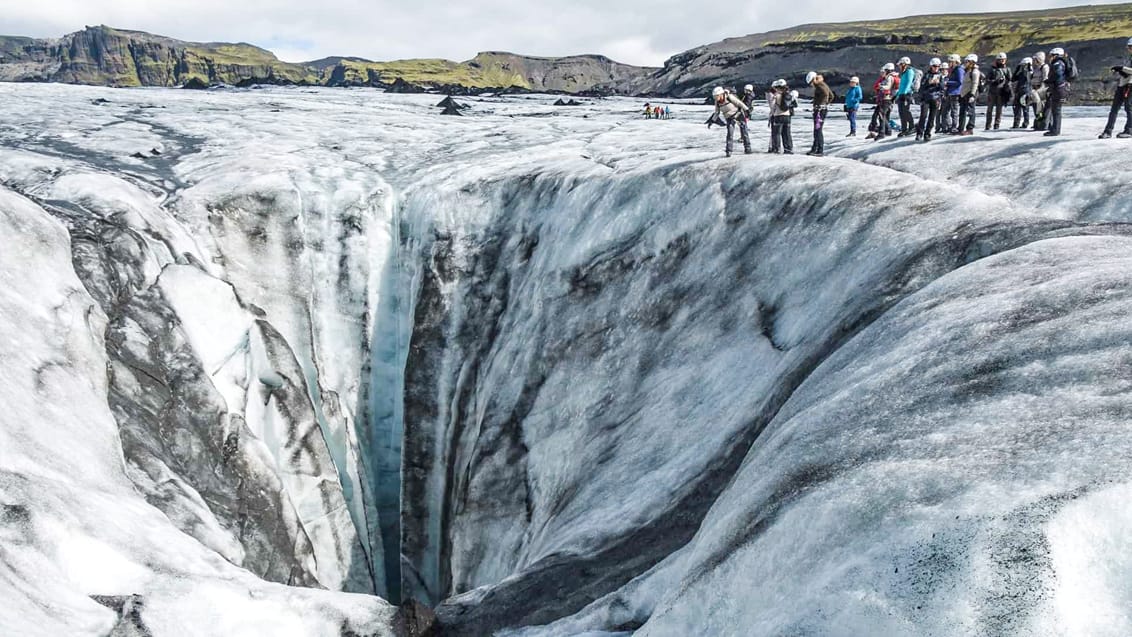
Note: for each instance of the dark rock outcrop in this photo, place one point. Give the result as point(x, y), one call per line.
point(1094, 35)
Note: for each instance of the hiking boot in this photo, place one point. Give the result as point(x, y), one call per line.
point(1104, 135)
point(1124, 135)
point(1050, 133)
point(853, 134)
point(967, 132)
point(871, 136)
point(919, 137)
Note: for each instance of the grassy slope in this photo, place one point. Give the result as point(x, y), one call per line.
point(964, 32)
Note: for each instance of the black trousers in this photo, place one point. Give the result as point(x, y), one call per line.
point(929, 113)
point(780, 139)
point(819, 130)
point(884, 113)
point(995, 103)
point(907, 122)
point(1121, 100)
point(1057, 96)
point(1021, 110)
point(967, 112)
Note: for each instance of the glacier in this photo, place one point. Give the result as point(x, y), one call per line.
point(275, 356)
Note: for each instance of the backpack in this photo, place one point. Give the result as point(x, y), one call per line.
point(917, 80)
point(1071, 72)
point(982, 88)
point(895, 82)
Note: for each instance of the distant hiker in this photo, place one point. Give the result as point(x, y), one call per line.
point(748, 97)
point(886, 87)
point(932, 90)
point(823, 97)
point(904, 96)
point(954, 91)
point(734, 112)
point(656, 113)
point(648, 110)
point(941, 120)
point(1058, 85)
point(1039, 92)
point(999, 90)
point(1122, 98)
point(853, 103)
point(969, 94)
point(782, 105)
point(1021, 81)
point(667, 112)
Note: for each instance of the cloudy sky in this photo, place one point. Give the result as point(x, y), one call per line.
point(634, 31)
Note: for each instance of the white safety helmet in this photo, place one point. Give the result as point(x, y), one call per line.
point(944, 66)
point(749, 88)
point(1057, 51)
point(1129, 41)
point(1040, 57)
point(954, 57)
point(794, 94)
point(888, 67)
point(934, 62)
point(972, 58)
point(810, 77)
point(717, 91)
point(854, 80)
point(1000, 56)
point(906, 61)
point(779, 83)
point(1027, 61)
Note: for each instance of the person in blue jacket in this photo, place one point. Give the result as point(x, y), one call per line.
point(904, 96)
point(954, 88)
point(853, 104)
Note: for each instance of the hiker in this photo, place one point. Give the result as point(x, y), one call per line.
point(656, 113)
point(782, 104)
point(904, 96)
point(932, 89)
point(1038, 90)
point(999, 89)
point(733, 112)
point(941, 119)
point(748, 97)
point(874, 123)
point(954, 89)
point(969, 94)
point(1122, 98)
point(648, 110)
point(886, 86)
point(667, 112)
point(852, 104)
point(822, 99)
point(1021, 80)
point(1058, 85)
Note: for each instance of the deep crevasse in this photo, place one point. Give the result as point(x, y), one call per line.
point(640, 386)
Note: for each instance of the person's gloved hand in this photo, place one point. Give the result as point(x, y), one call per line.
point(1118, 69)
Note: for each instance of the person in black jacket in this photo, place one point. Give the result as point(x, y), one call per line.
point(1021, 79)
point(933, 87)
point(1121, 99)
point(999, 89)
point(1058, 83)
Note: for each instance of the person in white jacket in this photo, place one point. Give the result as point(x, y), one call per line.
point(969, 95)
point(732, 111)
point(1038, 90)
point(1122, 99)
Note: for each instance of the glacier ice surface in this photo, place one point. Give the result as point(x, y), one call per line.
point(558, 372)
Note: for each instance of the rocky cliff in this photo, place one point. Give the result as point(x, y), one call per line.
point(113, 57)
point(1095, 35)
point(105, 56)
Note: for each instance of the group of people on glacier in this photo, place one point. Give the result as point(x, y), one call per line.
point(947, 93)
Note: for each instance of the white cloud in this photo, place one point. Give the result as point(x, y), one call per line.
point(635, 31)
